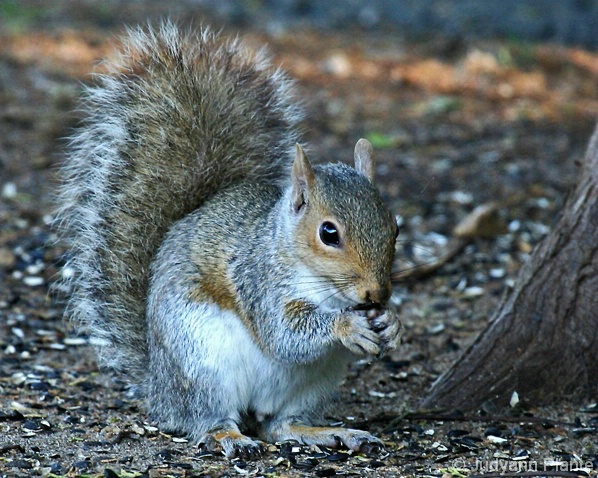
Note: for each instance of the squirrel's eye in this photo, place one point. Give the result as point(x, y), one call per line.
point(329, 234)
point(397, 233)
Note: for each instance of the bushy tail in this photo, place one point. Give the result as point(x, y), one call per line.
point(179, 116)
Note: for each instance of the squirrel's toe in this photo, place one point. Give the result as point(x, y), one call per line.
point(244, 448)
point(369, 447)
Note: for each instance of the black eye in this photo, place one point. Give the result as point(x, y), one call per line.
point(329, 234)
point(397, 233)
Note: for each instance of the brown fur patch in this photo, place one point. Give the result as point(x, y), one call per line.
point(214, 286)
point(298, 311)
point(224, 434)
point(309, 433)
point(296, 308)
point(308, 430)
point(217, 288)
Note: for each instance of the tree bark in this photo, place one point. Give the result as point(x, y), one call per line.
point(543, 339)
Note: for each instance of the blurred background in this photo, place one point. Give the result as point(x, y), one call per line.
point(570, 22)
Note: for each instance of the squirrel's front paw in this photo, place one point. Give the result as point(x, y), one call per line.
point(388, 327)
point(356, 333)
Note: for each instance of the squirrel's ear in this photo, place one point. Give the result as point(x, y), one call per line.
point(303, 179)
point(364, 159)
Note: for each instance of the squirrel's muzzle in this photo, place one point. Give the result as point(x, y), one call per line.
point(366, 306)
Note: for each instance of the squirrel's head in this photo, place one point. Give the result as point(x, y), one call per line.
point(345, 234)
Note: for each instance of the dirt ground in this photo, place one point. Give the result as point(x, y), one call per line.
point(455, 124)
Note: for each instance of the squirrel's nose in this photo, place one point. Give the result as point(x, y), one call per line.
point(378, 294)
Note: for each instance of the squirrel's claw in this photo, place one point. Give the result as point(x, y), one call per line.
point(362, 442)
point(249, 450)
point(369, 447)
point(388, 327)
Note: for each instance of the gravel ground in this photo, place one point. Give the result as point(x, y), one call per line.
point(455, 125)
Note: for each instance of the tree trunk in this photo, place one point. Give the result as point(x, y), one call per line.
point(543, 340)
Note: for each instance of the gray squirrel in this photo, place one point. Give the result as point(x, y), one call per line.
point(212, 264)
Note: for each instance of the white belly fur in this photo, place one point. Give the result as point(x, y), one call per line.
point(250, 380)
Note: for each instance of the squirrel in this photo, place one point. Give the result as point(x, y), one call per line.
point(229, 279)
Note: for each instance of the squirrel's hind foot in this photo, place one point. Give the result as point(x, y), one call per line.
point(332, 437)
point(233, 444)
